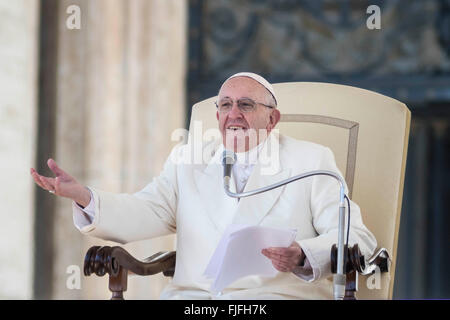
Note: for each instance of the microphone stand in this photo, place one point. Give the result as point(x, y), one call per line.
point(339, 277)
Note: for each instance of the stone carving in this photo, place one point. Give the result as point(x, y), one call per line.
point(324, 38)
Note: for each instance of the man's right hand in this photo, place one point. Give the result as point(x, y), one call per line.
point(63, 184)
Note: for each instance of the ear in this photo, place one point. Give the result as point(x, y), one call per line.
point(217, 115)
point(274, 118)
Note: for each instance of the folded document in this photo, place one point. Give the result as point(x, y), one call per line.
point(239, 253)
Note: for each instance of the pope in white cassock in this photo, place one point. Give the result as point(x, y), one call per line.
point(188, 199)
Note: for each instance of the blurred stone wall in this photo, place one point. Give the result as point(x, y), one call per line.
point(18, 66)
point(120, 94)
point(102, 100)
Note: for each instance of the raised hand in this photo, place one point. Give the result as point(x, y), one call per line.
point(62, 184)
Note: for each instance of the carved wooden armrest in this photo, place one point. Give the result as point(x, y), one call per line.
point(117, 262)
point(356, 263)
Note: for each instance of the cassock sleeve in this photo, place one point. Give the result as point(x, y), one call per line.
point(124, 218)
point(324, 203)
point(83, 216)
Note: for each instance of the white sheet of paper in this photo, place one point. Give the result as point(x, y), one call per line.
point(238, 253)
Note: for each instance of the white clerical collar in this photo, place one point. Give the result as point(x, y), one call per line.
point(249, 157)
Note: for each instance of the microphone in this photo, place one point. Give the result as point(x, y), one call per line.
point(228, 160)
point(339, 279)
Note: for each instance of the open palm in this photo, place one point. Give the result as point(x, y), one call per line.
point(62, 184)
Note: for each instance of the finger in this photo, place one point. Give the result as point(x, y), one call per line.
point(279, 267)
point(278, 257)
point(276, 250)
point(281, 259)
point(56, 184)
point(287, 267)
point(286, 252)
point(37, 180)
point(274, 256)
point(47, 183)
point(54, 167)
point(288, 262)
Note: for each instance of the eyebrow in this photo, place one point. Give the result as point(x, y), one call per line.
point(227, 97)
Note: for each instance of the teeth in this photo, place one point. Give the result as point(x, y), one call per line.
point(235, 128)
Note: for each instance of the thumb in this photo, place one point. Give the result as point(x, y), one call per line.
point(54, 167)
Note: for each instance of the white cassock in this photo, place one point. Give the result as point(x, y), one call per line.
point(189, 199)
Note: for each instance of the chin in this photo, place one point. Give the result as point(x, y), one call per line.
point(238, 144)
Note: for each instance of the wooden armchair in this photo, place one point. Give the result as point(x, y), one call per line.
point(368, 133)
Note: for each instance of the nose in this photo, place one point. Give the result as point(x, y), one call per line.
point(235, 112)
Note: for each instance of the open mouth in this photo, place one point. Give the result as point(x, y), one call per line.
point(236, 128)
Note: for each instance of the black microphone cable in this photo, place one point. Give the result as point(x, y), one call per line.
point(348, 219)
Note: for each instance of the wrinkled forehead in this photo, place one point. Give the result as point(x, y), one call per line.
point(242, 87)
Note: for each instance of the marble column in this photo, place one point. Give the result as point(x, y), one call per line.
point(18, 101)
point(120, 94)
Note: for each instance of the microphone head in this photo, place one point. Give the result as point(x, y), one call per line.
point(228, 157)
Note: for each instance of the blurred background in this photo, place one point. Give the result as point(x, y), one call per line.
point(100, 85)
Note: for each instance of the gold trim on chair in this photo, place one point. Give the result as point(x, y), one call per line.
point(353, 128)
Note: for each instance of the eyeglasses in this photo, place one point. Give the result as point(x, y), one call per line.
point(244, 105)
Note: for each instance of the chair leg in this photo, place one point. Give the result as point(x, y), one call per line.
point(118, 284)
point(351, 285)
point(117, 296)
